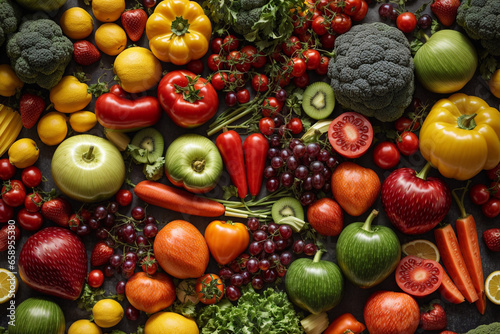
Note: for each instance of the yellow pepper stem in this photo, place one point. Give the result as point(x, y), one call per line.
point(179, 26)
point(467, 122)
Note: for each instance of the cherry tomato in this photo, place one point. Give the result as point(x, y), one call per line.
point(407, 143)
point(336, 6)
point(300, 24)
point(312, 58)
point(230, 43)
point(149, 3)
point(260, 82)
point(291, 46)
point(386, 155)
point(214, 62)
point(216, 45)
point(124, 197)
point(404, 124)
point(219, 80)
point(307, 39)
point(299, 66)
point(29, 221)
point(341, 23)
point(406, 22)
point(73, 222)
point(321, 4)
point(302, 81)
point(33, 202)
point(491, 209)
point(243, 95)
point(259, 60)
point(266, 126)
point(495, 189)
point(209, 288)
point(318, 26)
point(479, 194)
point(96, 278)
point(271, 106)
point(7, 170)
point(31, 176)
point(361, 13)
point(352, 7)
point(195, 66)
point(323, 66)
point(327, 41)
point(149, 265)
point(295, 125)
point(13, 193)
point(6, 212)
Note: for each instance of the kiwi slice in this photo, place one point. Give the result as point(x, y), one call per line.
point(147, 146)
point(318, 100)
point(288, 210)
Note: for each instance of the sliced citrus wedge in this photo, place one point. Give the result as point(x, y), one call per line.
point(421, 248)
point(492, 287)
point(8, 285)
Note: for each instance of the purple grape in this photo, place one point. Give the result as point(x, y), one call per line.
point(424, 21)
point(131, 256)
point(286, 153)
point(318, 181)
point(109, 270)
point(100, 212)
point(301, 172)
point(272, 184)
point(307, 184)
point(285, 231)
point(150, 230)
point(247, 277)
point(269, 246)
point(316, 166)
point(109, 221)
point(385, 11)
point(230, 99)
point(272, 228)
point(150, 219)
point(323, 155)
point(278, 121)
point(277, 162)
point(327, 173)
point(269, 172)
point(101, 234)
point(281, 95)
point(275, 140)
point(94, 224)
point(233, 293)
point(225, 273)
point(287, 179)
point(115, 260)
point(274, 258)
point(255, 248)
point(292, 163)
point(236, 280)
point(294, 142)
point(264, 264)
point(120, 287)
point(128, 266)
point(253, 224)
point(141, 240)
point(269, 275)
point(138, 213)
point(310, 249)
point(113, 207)
point(307, 198)
point(286, 258)
point(281, 244)
point(253, 265)
point(312, 149)
point(298, 246)
point(332, 162)
point(299, 150)
point(273, 152)
point(83, 230)
point(257, 283)
point(132, 313)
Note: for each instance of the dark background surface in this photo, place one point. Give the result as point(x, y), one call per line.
point(461, 317)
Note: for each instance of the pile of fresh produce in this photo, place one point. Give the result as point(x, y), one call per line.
point(249, 166)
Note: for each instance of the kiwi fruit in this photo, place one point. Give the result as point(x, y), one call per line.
point(287, 207)
point(147, 145)
point(318, 100)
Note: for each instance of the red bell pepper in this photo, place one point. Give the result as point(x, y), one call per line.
point(114, 111)
point(255, 148)
point(231, 150)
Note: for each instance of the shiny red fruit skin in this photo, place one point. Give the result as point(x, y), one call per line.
point(326, 217)
point(414, 205)
point(54, 261)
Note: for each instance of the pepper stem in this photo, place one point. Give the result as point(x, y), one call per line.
point(367, 226)
point(424, 171)
point(179, 26)
point(317, 256)
point(198, 165)
point(89, 156)
point(467, 122)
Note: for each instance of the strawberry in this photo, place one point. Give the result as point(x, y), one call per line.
point(54, 261)
point(31, 107)
point(134, 22)
point(355, 188)
point(415, 203)
point(445, 10)
point(491, 238)
point(433, 317)
point(85, 53)
point(100, 254)
point(57, 210)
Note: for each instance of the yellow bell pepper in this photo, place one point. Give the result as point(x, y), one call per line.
point(178, 31)
point(461, 136)
point(9, 82)
point(70, 95)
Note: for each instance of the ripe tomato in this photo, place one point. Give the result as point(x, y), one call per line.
point(318, 26)
point(96, 278)
point(312, 58)
point(260, 82)
point(124, 197)
point(6, 212)
point(7, 170)
point(491, 209)
point(405, 124)
point(352, 7)
point(13, 193)
point(259, 60)
point(327, 41)
point(418, 277)
point(406, 22)
point(33, 202)
point(479, 194)
point(149, 265)
point(243, 95)
point(266, 126)
point(29, 221)
point(291, 46)
point(195, 66)
point(299, 66)
point(350, 134)
point(301, 81)
point(249, 53)
point(216, 45)
point(341, 23)
point(31, 176)
point(300, 24)
point(323, 66)
point(226, 240)
point(230, 43)
point(361, 13)
point(386, 155)
point(495, 189)
point(407, 143)
point(209, 288)
point(219, 80)
point(150, 293)
point(271, 106)
point(295, 125)
point(214, 62)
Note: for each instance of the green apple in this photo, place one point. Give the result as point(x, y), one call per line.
point(88, 168)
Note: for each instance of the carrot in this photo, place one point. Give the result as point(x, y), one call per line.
point(469, 246)
point(449, 290)
point(174, 199)
point(447, 243)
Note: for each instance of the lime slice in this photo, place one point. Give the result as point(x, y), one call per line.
point(421, 248)
point(492, 287)
point(8, 285)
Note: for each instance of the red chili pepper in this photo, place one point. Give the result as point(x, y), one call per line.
point(231, 150)
point(255, 148)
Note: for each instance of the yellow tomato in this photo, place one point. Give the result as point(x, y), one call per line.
point(70, 95)
point(9, 82)
point(138, 69)
point(23, 153)
point(82, 121)
point(52, 128)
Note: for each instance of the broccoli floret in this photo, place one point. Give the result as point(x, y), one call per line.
point(39, 52)
point(252, 4)
point(492, 328)
point(372, 71)
point(10, 16)
point(481, 21)
point(245, 19)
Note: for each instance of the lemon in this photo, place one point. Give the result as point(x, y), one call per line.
point(8, 285)
point(108, 10)
point(492, 287)
point(76, 23)
point(52, 128)
point(169, 322)
point(84, 326)
point(110, 38)
point(138, 69)
point(107, 313)
point(82, 121)
point(23, 153)
point(421, 248)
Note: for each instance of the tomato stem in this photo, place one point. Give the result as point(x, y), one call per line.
point(424, 171)
point(367, 226)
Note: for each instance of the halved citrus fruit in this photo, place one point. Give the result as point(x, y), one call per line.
point(8, 285)
point(492, 287)
point(421, 248)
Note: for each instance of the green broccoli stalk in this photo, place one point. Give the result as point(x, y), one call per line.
point(480, 18)
point(372, 71)
point(10, 16)
point(154, 171)
point(493, 328)
point(39, 52)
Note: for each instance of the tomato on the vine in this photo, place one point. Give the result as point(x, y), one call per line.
point(31, 176)
point(300, 24)
point(298, 65)
point(301, 81)
point(495, 189)
point(230, 43)
point(406, 22)
point(33, 202)
point(214, 62)
point(266, 126)
point(260, 59)
point(13, 193)
point(7, 170)
point(149, 265)
point(124, 197)
point(291, 46)
point(322, 68)
point(361, 13)
point(271, 106)
point(318, 26)
point(295, 125)
point(209, 288)
point(216, 45)
point(479, 194)
point(248, 52)
point(491, 209)
point(219, 80)
point(96, 278)
point(405, 124)
point(386, 155)
point(29, 221)
point(407, 143)
point(341, 23)
point(312, 58)
point(260, 82)
point(243, 95)
point(352, 7)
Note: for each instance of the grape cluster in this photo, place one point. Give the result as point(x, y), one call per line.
point(307, 168)
point(268, 256)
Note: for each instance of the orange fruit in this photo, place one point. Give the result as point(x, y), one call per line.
point(181, 250)
point(150, 293)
